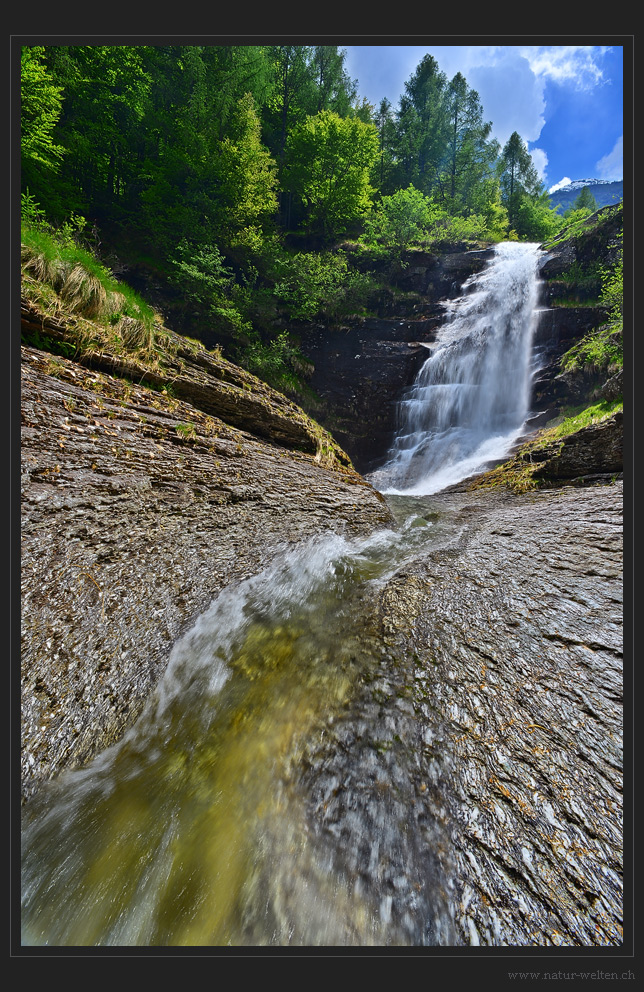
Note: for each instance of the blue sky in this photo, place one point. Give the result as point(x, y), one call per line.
point(566, 101)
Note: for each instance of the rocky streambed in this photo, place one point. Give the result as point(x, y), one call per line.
point(461, 783)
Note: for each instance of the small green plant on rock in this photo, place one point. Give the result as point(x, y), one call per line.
point(187, 431)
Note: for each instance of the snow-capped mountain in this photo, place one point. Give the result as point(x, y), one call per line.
point(605, 191)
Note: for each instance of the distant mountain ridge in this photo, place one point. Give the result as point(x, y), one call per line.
point(605, 192)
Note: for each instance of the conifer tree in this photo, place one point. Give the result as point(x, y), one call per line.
point(518, 177)
point(40, 109)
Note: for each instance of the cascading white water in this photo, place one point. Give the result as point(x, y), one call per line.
point(471, 398)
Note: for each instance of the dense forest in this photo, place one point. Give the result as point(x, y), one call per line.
point(256, 183)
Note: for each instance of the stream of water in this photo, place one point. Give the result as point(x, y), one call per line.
point(171, 836)
point(193, 830)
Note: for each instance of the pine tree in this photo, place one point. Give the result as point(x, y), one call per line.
point(422, 126)
point(585, 200)
point(518, 177)
point(469, 157)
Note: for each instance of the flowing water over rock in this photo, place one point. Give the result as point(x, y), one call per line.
point(411, 738)
point(193, 830)
point(471, 398)
point(407, 739)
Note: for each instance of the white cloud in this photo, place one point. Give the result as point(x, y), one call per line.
point(514, 98)
point(575, 64)
point(511, 98)
point(562, 182)
point(540, 161)
point(511, 82)
point(611, 166)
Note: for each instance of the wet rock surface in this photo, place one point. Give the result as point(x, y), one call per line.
point(475, 782)
point(137, 509)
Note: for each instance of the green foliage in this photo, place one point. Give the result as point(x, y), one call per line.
point(206, 280)
point(31, 213)
point(33, 219)
point(277, 361)
point(244, 178)
point(575, 418)
point(585, 201)
point(187, 431)
point(200, 158)
point(601, 350)
point(573, 217)
point(474, 227)
point(422, 125)
point(516, 474)
point(612, 295)
point(408, 218)
point(534, 219)
point(40, 109)
point(89, 289)
point(485, 202)
point(329, 161)
point(400, 219)
point(313, 283)
point(520, 184)
point(470, 156)
point(334, 89)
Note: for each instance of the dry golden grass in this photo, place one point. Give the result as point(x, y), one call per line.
point(83, 292)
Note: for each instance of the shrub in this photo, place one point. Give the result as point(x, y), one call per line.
point(612, 294)
point(205, 279)
point(277, 362)
point(320, 283)
point(400, 219)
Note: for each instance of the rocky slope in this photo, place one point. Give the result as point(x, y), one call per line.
point(488, 738)
point(475, 778)
point(138, 506)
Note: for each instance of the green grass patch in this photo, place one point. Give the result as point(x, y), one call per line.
point(579, 227)
point(575, 418)
point(601, 350)
point(85, 286)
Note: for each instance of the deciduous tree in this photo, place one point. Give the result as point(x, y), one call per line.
point(40, 109)
point(329, 161)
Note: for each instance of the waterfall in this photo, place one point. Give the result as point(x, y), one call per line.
point(471, 397)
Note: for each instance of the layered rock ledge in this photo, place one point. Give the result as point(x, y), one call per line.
point(138, 507)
